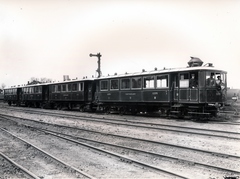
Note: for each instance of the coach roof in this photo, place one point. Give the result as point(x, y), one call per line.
point(165, 71)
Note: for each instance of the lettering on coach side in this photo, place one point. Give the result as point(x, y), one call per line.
point(130, 94)
point(154, 93)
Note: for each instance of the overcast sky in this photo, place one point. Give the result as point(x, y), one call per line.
point(52, 38)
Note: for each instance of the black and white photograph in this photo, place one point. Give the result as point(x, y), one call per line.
point(113, 89)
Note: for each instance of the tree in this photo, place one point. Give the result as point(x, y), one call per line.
point(2, 87)
point(35, 80)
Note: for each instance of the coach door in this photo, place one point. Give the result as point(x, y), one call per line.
point(89, 90)
point(188, 87)
point(175, 87)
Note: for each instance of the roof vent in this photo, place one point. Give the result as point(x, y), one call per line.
point(194, 62)
point(209, 65)
point(143, 70)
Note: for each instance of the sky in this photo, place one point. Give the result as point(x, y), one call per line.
point(52, 38)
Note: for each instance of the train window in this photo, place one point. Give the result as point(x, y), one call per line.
point(69, 87)
point(40, 89)
point(162, 81)
point(64, 87)
point(193, 81)
point(210, 79)
point(81, 87)
point(104, 85)
point(36, 89)
point(148, 82)
point(58, 88)
point(201, 79)
point(54, 88)
point(137, 82)
point(114, 84)
point(125, 83)
point(184, 80)
point(74, 87)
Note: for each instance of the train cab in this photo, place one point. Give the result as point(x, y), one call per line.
point(200, 89)
point(200, 85)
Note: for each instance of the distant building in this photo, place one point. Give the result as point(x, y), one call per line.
point(233, 94)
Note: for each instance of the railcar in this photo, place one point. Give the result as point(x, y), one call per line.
point(11, 95)
point(194, 90)
point(34, 95)
point(76, 93)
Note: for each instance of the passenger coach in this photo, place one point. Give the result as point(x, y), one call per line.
point(76, 93)
point(11, 95)
point(195, 89)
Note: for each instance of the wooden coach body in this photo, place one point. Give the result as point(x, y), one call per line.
point(71, 93)
point(166, 87)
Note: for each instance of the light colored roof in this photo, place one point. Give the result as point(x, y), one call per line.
point(53, 83)
point(163, 71)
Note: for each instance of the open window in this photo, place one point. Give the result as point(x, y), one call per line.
point(184, 80)
point(148, 82)
point(162, 81)
point(193, 81)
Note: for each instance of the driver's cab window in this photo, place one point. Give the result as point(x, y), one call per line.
point(215, 79)
point(220, 79)
point(210, 79)
point(184, 80)
point(193, 81)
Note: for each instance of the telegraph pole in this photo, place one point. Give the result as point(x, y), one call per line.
point(99, 63)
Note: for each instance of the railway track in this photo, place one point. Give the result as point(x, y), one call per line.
point(12, 168)
point(149, 125)
point(34, 111)
point(69, 128)
point(123, 160)
point(44, 155)
point(75, 139)
point(114, 135)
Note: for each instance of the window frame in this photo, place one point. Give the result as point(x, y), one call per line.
point(114, 89)
point(186, 80)
point(121, 83)
point(144, 77)
point(80, 86)
point(167, 81)
point(136, 88)
point(107, 85)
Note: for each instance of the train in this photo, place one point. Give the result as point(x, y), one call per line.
point(195, 90)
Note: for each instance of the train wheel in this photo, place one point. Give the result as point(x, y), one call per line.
point(81, 109)
point(9, 103)
point(122, 111)
point(69, 106)
point(59, 107)
point(107, 110)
